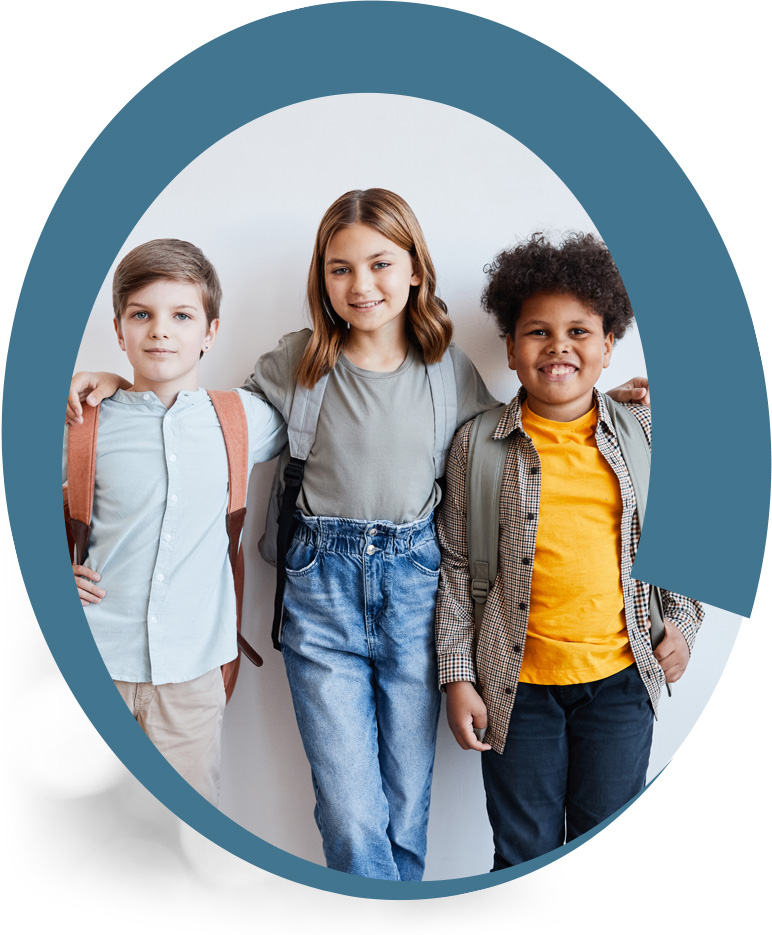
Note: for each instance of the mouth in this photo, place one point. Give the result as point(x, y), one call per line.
point(159, 352)
point(365, 306)
point(558, 373)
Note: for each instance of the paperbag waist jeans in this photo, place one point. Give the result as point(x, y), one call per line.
point(358, 645)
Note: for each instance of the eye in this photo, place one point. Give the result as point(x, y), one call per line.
point(339, 270)
point(382, 264)
point(539, 332)
point(579, 331)
point(182, 316)
point(139, 316)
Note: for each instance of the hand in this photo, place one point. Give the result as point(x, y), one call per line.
point(91, 388)
point(634, 391)
point(673, 652)
point(466, 710)
point(88, 592)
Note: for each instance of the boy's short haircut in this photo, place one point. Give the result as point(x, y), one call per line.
point(580, 266)
point(177, 260)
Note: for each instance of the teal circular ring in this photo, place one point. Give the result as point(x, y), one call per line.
point(675, 266)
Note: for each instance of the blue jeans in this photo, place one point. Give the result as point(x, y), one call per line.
point(574, 755)
point(358, 644)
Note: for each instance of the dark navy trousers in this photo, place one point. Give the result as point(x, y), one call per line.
point(574, 755)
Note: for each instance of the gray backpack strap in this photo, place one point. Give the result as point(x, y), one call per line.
point(442, 383)
point(637, 456)
point(484, 473)
point(304, 417)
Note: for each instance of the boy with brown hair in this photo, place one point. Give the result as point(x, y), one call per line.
point(562, 675)
point(156, 582)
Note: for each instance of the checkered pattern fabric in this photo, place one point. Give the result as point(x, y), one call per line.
point(495, 662)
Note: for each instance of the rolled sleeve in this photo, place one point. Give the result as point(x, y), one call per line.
point(685, 613)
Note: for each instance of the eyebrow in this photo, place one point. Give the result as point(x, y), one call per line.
point(175, 307)
point(373, 256)
point(538, 321)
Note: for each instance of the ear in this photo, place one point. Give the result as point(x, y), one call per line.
point(211, 334)
point(608, 346)
point(511, 359)
point(117, 326)
point(416, 279)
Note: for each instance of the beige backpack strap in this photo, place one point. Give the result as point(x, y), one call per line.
point(81, 468)
point(233, 422)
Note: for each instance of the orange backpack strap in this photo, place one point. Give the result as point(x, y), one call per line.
point(233, 422)
point(79, 492)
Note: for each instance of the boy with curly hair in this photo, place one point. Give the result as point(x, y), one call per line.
point(563, 676)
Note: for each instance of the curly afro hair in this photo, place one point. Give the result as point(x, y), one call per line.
point(581, 266)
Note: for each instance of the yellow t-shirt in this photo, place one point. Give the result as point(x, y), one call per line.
point(577, 630)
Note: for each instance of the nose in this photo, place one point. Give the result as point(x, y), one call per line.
point(363, 281)
point(159, 329)
point(559, 344)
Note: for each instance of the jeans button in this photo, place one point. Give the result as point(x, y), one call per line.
point(370, 550)
point(372, 532)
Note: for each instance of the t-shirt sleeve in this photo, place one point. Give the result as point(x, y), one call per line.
point(267, 430)
point(273, 378)
point(473, 395)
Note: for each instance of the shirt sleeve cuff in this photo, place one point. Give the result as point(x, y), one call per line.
point(455, 667)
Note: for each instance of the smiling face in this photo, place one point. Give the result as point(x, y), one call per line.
point(368, 279)
point(163, 330)
point(559, 350)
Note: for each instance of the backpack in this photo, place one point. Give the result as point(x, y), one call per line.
point(301, 434)
point(78, 496)
point(485, 470)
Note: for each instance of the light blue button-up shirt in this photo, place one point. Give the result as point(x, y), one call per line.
point(158, 536)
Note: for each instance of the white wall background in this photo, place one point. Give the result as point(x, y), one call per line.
point(252, 202)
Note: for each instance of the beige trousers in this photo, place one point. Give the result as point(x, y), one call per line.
point(184, 721)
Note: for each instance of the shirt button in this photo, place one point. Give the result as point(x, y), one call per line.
point(159, 577)
point(370, 550)
point(146, 396)
point(531, 516)
point(534, 470)
point(522, 606)
point(154, 619)
point(172, 457)
point(372, 532)
point(507, 691)
point(518, 649)
point(526, 561)
point(168, 538)
point(175, 498)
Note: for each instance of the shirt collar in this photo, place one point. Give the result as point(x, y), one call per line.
point(512, 417)
point(148, 398)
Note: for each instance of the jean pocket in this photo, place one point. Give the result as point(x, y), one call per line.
point(426, 558)
point(301, 558)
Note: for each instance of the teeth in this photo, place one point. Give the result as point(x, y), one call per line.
point(559, 370)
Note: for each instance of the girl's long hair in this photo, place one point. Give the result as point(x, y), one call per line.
point(428, 324)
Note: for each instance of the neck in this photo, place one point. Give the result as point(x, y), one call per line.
point(167, 392)
point(566, 412)
point(376, 350)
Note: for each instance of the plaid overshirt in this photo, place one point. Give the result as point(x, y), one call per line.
point(496, 660)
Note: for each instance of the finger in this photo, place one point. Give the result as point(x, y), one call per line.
point(87, 597)
point(90, 588)
point(83, 571)
point(471, 741)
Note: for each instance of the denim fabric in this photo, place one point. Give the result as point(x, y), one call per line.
point(574, 755)
point(358, 644)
